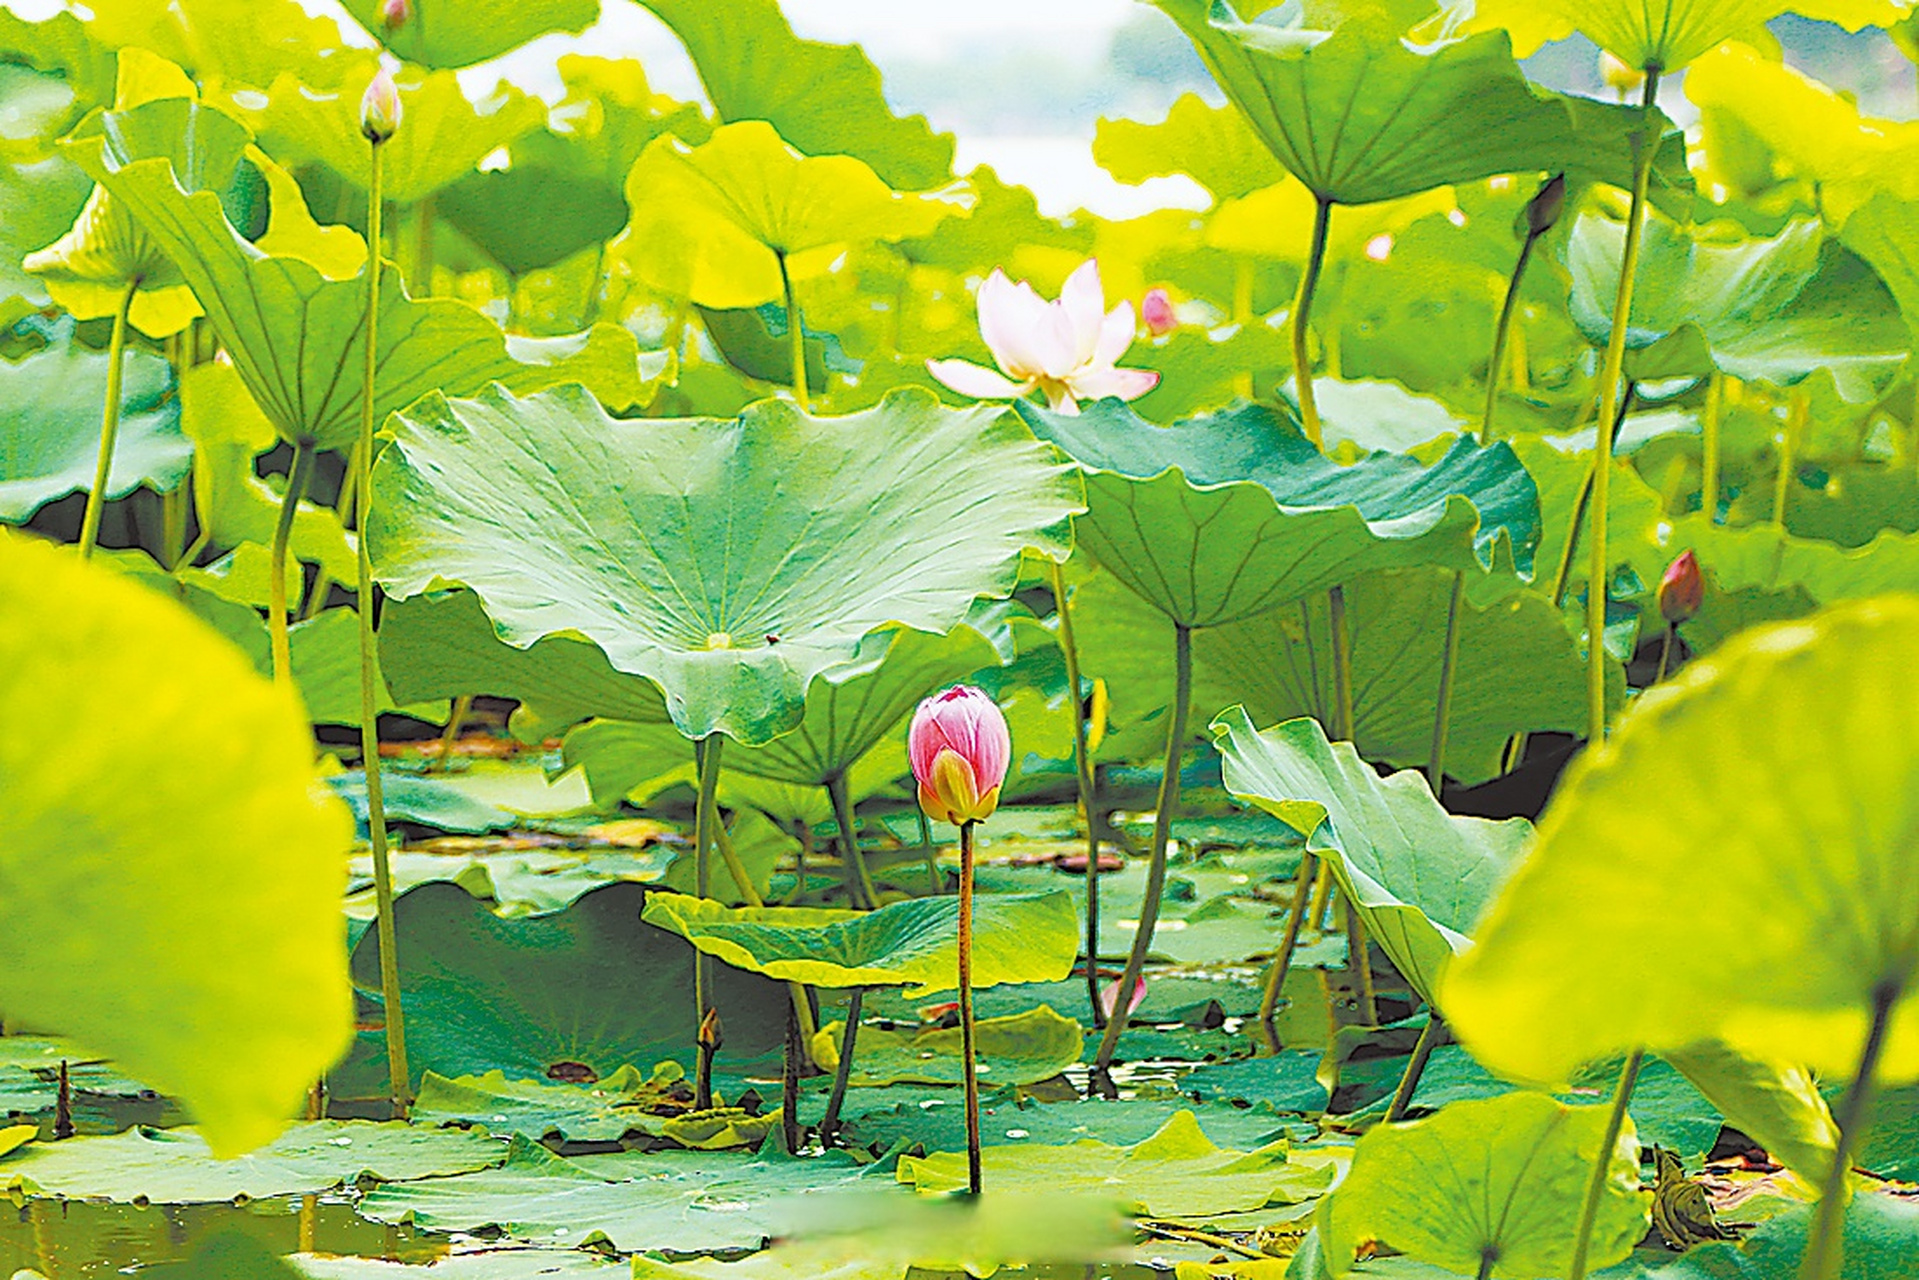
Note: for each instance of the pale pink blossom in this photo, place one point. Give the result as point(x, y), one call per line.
point(1156, 309)
point(1109, 996)
point(1067, 349)
point(380, 107)
point(960, 750)
point(394, 14)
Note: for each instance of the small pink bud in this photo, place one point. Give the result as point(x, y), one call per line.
point(1682, 590)
point(394, 13)
point(1109, 996)
point(960, 750)
point(1156, 309)
point(380, 108)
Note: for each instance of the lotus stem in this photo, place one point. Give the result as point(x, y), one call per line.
point(1429, 1038)
point(1645, 147)
point(344, 506)
point(1342, 664)
point(1788, 445)
point(707, 752)
point(1162, 837)
point(109, 425)
point(1825, 1247)
point(1488, 1258)
point(1448, 672)
point(934, 881)
point(1302, 313)
point(1602, 1166)
point(969, 1064)
point(795, 337)
point(790, 1084)
point(1709, 426)
point(455, 721)
point(803, 832)
point(1360, 962)
point(849, 1035)
point(1502, 331)
point(1242, 315)
point(802, 1007)
point(1665, 651)
point(398, 1078)
point(1083, 768)
point(1283, 958)
point(859, 881)
point(298, 476)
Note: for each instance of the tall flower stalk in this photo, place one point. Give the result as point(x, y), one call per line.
point(109, 425)
point(1083, 768)
point(1302, 314)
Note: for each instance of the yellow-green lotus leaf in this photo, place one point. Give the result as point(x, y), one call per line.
point(1768, 798)
point(1666, 34)
point(171, 865)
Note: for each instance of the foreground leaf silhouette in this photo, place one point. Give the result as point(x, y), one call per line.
point(187, 926)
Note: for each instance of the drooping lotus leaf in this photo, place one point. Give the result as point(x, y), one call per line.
point(1017, 937)
point(713, 222)
point(1213, 145)
point(1777, 1106)
point(1666, 34)
point(175, 1166)
point(459, 33)
point(1769, 789)
point(1772, 310)
point(825, 99)
point(1228, 515)
point(1176, 1173)
point(1420, 876)
point(326, 668)
point(1018, 1049)
point(124, 899)
point(1882, 233)
point(50, 406)
point(1501, 1178)
point(736, 559)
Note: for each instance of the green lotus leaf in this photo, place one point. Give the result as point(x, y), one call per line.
point(1881, 1233)
point(1016, 938)
point(175, 1166)
point(459, 33)
point(816, 521)
point(1229, 515)
point(714, 222)
point(1019, 1049)
point(1804, 828)
point(1666, 34)
point(1882, 233)
point(1176, 1173)
point(761, 847)
point(39, 199)
point(1212, 145)
point(825, 99)
point(604, 1111)
point(1420, 876)
point(1762, 559)
point(241, 41)
point(121, 899)
point(52, 73)
point(1779, 1107)
point(1499, 1179)
point(50, 428)
point(1772, 310)
point(326, 668)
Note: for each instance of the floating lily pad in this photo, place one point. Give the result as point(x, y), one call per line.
point(604, 1111)
point(431, 802)
point(1023, 1048)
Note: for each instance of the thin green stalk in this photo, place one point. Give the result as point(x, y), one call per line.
point(174, 506)
point(830, 1122)
point(1488, 1258)
point(297, 478)
point(1645, 146)
point(1359, 961)
point(1242, 315)
point(707, 750)
point(969, 1065)
point(1448, 673)
point(1825, 1248)
point(1502, 331)
point(730, 855)
point(1283, 958)
point(1429, 1038)
point(1788, 446)
point(398, 1079)
point(1302, 314)
point(790, 1085)
point(859, 881)
point(795, 336)
point(109, 426)
point(934, 881)
point(1665, 651)
point(455, 721)
point(1342, 643)
point(1162, 836)
point(1602, 1167)
point(1084, 769)
point(1709, 425)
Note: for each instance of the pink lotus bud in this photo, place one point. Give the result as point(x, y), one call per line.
point(380, 108)
point(960, 749)
point(1156, 309)
point(1682, 590)
point(394, 13)
point(1109, 996)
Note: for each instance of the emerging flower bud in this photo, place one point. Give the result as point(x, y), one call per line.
point(1543, 210)
point(960, 750)
point(712, 1035)
point(1682, 590)
point(1156, 309)
point(380, 108)
point(394, 13)
point(1109, 996)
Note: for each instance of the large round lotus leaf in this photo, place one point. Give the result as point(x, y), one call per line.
point(1231, 514)
point(1663, 33)
point(589, 985)
point(603, 1111)
point(123, 899)
point(1420, 876)
point(39, 198)
point(1882, 233)
point(1020, 1049)
point(245, 42)
point(175, 1166)
point(1017, 937)
point(1772, 791)
point(730, 562)
point(458, 33)
point(712, 222)
point(1500, 1178)
point(1213, 145)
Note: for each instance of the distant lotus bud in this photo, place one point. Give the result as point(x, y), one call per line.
point(1682, 590)
point(394, 13)
point(712, 1035)
point(1156, 309)
point(1616, 74)
point(1543, 210)
point(380, 108)
point(1109, 996)
point(960, 750)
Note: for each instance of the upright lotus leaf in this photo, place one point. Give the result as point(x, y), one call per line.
point(52, 73)
point(39, 199)
point(1768, 790)
point(728, 561)
point(823, 98)
point(50, 427)
point(459, 33)
point(1017, 937)
point(122, 900)
point(1882, 232)
point(240, 41)
point(1662, 34)
point(293, 320)
point(1420, 876)
point(1228, 515)
point(1213, 145)
point(715, 222)
point(1772, 310)
point(1490, 1188)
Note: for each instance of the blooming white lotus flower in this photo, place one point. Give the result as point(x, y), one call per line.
point(1066, 349)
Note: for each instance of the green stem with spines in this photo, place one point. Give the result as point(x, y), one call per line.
point(730, 855)
point(109, 425)
point(1083, 768)
point(705, 806)
point(970, 1065)
point(298, 476)
point(843, 1073)
point(1302, 315)
point(1162, 837)
point(795, 336)
point(1429, 1037)
point(1602, 1166)
point(1825, 1245)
